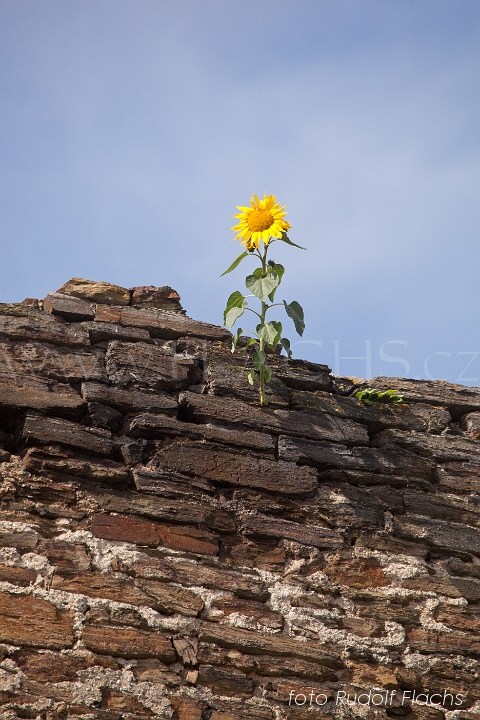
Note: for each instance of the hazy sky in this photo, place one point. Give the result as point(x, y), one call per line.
point(130, 130)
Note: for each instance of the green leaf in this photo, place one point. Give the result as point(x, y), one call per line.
point(268, 332)
point(236, 305)
point(236, 338)
point(278, 327)
point(235, 263)
point(278, 270)
point(285, 343)
point(261, 286)
point(258, 359)
point(295, 311)
point(287, 240)
point(267, 374)
point(250, 376)
point(370, 396)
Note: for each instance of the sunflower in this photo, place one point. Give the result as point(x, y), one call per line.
point(263, 220)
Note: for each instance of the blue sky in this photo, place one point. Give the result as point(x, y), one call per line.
point(130, 130)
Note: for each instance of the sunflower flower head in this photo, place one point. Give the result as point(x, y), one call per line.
point(263, 220)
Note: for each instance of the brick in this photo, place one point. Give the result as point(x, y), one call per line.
point(470, 424)
point(66, 556)
point(169, 484)
point(128, 643)
point(144, 532)
point(458, 617)
point(225, 374)
point(170, 600)
point(31, 621)
point(458, 398)
point(442, 506)
point(225, 681)
point(226, 468)
point(160, 323)
point(194, 510)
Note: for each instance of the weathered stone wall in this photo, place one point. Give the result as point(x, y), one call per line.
point(172, 550)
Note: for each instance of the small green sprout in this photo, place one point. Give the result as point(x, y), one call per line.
point(371, 396)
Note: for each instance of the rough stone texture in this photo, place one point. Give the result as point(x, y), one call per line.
point(69, 308)
point(169, 549)
point(164, 298)
point(96, 292)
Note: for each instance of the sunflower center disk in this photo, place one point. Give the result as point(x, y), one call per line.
point(259, 220)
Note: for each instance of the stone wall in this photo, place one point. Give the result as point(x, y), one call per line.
point(172, 550)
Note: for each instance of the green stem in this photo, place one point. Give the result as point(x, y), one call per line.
point(262, 323)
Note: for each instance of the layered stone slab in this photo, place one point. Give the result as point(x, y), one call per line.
point(335, 455)
point(21, 322)
point(259, 644)
point(63, 464)
point(69, 308)
point(96, 292)
point(459, 398)
point(128, 642)
point(208, 408)
point(160, 323)
point(244, 584)
point(408, 416)
point(104, 332)
point(144, 532)
point(153, 594)
point(129, 400)
point(53, 430)
point(152, 426)
point(212, 462)
point(442, 448)
point(442, 534)
point(18, 360)
point(37, 393)
point(146, 366)
point(47, 626)
point(264, 526)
